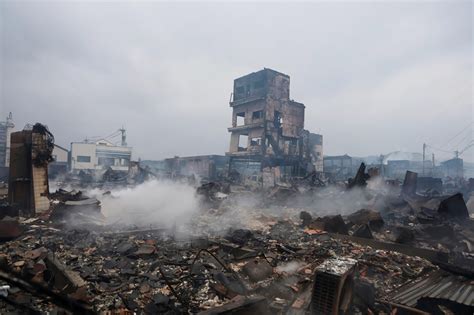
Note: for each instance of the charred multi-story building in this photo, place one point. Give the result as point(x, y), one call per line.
point(268, 138)
point(30, 153)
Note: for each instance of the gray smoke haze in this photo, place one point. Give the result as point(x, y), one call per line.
point(376, 77)
point(176, 205)
point(290, 267)
point(153, 203)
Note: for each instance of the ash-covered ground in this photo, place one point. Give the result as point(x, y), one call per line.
point(164, 247)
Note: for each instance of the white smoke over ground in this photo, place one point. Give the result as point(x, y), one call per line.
point(256, 212)
point(153, 203)
point(173, 204)
point(333, 200)
point(289, 267)
point(236, 212)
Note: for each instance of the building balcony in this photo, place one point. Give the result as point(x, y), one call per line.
point(246, 127)
point(247, 99)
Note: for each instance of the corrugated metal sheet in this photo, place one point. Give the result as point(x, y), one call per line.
point(439, 285)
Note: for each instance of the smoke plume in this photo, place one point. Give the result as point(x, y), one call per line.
point(153, 203)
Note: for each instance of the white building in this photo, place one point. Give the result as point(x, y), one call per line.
point(99, 155)
point(60, 154)
point(60, 163)
point(6, 129)
point(316, 147)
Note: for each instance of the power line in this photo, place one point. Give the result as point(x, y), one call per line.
point(462, 140)
point(113, 134)
point(438, 149)
point(464, 129)
point(470, 145)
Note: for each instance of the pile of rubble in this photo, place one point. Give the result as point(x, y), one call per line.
point(152, 272)
point(399, 253)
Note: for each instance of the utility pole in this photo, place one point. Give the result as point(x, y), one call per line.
point(124, 137)
point(433, 167)
point(381, 166)
point(423, 163)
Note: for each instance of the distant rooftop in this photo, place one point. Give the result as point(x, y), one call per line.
point(264, 70)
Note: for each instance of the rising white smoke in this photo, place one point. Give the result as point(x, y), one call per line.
point(289, 267)
point(153, 203)
point(167, 203)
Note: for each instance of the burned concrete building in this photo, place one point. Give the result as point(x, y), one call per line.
point(311, 247)
point(31, 151)
point(210, 167)
point(453, 168)
point(202, 168)
point(341, 167)
point(268, 141)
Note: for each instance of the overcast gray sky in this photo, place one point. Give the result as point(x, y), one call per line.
point(375, 77)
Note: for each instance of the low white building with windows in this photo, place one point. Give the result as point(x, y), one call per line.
point(60, 163)
point(99, 155)
point(60, 154)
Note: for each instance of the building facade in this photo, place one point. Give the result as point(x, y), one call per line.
point(6, 128)
point(99, 155)
point(28, 185)
point(341, 167)
point(267, 133)
point(453, 168)
point(316, 148)
point(60, 154)
point(210, 167)
point(60, 162)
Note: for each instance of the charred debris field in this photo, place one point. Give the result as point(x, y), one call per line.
point(369, 247)
point(253, 157)
point(277, 241)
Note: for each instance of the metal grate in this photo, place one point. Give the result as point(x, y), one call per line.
point(332, 289)
point(325, 293)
